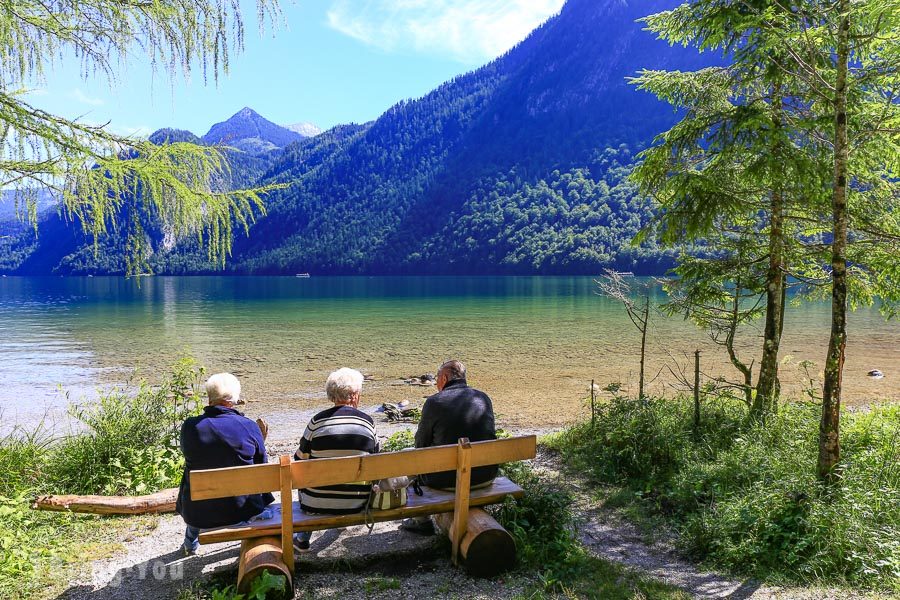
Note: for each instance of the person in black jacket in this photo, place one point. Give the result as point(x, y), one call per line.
point(220, 437)
point(456, 411)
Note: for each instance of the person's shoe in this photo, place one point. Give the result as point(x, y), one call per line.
point(420, 526)
point(188, 551)
point(301, 545)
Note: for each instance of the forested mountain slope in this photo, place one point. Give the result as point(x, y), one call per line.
point(517, 167)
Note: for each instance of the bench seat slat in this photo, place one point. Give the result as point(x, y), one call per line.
point(431, 502)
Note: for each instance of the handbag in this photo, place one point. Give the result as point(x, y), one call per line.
point(389, 493)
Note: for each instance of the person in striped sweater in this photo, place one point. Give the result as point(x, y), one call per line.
point(342, 430)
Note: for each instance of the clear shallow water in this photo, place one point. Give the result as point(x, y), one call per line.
point(534, 343)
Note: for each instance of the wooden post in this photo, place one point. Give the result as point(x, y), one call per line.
point(592, 404)
point(287, 513)
point(259, 555)
point(461, 499)
point(487, 548)
point(697, 391)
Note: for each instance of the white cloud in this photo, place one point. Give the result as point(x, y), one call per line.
point(80, 96)
point(466, 30)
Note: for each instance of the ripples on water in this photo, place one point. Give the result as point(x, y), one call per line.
point(532, 342)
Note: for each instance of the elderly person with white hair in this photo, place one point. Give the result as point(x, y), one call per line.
point(342, 430)
point(220, 437)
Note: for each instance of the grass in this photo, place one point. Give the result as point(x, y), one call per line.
point(743, 496)
point(592, 578)
point(128, 446)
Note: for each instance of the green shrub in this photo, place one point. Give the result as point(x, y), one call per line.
point(401, 440)
point(129, 444)
point(744, 496)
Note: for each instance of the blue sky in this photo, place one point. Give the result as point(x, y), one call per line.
point(333, 61)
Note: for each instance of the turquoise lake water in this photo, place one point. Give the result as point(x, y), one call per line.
point(534, 343)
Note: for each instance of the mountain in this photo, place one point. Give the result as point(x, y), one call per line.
point(14, 208)
point(517, 167)
point(171, 136)
point(248, 131)
point(305, 129)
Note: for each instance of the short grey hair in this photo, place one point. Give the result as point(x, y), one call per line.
point(223, 387)
point(454, 368)
point(343, 384)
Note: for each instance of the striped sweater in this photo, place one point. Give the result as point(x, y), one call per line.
point(338, 431)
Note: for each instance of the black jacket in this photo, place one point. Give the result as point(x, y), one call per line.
point(457, 411)
point(220, 437)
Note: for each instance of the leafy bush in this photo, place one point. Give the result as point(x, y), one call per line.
point(130, 442)
point(744, 495)
point(401, 440)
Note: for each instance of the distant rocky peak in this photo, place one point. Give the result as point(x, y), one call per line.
point(251, 132)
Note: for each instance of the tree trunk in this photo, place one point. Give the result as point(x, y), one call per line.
point(160, 502)
point(766, 386)
point(487, 548)
point(646, 322)
point(696, 392)
point(746, 371)
point(829, 429)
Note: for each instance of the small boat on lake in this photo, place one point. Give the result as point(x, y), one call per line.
point(303, 275)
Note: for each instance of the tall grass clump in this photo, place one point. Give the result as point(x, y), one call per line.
point(129, 440)
point(743, 495)
point(126, 442)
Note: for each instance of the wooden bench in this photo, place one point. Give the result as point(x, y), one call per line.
point(267, 545)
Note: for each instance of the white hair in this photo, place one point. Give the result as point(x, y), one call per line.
point(223, 387)
point(343, 384)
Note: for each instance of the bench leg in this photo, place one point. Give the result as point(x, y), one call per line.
point(259, 555)
point(486, 547)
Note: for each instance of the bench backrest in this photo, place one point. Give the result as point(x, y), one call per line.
point(258, 479)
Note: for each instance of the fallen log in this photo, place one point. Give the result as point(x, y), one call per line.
point(487, 548)
point(260, 555)
point(160, 502)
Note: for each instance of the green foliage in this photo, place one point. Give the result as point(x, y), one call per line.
point(128, 445)
point(403, 439)
point(592, 578)
point(267, 585)
point(743, 495)
point(542, 524)
point(375, 585)
point(130, 441)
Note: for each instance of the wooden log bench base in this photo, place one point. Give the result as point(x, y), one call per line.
point(477, 540)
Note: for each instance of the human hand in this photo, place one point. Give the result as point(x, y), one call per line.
point(263, 428)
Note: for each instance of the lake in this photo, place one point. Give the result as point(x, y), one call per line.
point(533, 343)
